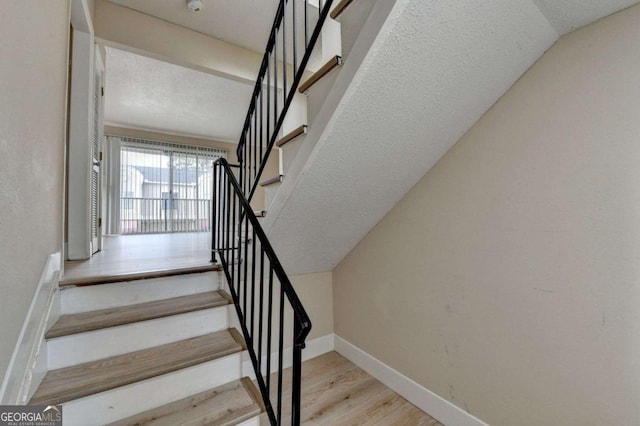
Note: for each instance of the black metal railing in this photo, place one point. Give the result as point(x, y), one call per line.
point(273, 321)
point(294, 33)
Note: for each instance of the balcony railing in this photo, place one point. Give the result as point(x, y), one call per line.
point(163, 215)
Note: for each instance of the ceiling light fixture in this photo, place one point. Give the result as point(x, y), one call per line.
point(194, 5)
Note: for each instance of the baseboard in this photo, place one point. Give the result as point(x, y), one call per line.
point(28, 363)
point(315, 347)
point(436, 406)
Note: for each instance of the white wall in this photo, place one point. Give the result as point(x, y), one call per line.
point(507, 280)
point(33, 71)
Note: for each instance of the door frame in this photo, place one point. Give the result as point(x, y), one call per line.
point(99, 73)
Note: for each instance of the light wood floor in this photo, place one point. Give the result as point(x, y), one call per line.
point(143, 253)
point(336, 392)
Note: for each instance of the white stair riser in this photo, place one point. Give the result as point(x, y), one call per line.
point(352, 20)
point(79, 348)
point(289, 152)
point(270, 192)
point(126, 401)
point(254, 421)
point(318, 93)
point(104, 296)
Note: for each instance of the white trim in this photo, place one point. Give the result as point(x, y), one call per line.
point(315, 347)
point(25, 369)
point(436, 406)
point(81, 16)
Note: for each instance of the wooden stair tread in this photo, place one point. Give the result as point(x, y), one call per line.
point(78, 381)
point(340, 7)
point(271, 181)
point(326, 68)
point(134, 276)
point(292, 135)
point(229, 404)
point(111, 317)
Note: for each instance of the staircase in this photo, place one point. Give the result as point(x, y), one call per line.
point(148, 351)
point(297, 143)
point(169, 348)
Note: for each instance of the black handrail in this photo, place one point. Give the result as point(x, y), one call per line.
point(250, 266)
point(265, 117)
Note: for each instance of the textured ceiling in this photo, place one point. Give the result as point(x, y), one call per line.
point(146, 93)
point(244, 23)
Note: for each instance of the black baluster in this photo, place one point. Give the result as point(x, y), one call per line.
point(280, 352)
point(269, 317)
point(295, 51)
point(213, 213)
point(261, 307)
point(253, 282)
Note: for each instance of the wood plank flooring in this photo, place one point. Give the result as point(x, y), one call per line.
point(337, 392)
point(228, 404)
point(70, 383)
point(95, 320)
point(143, 253)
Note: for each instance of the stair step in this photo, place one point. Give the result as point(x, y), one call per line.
point(292, 135)
point(271, 181)
point(67, 384)
point(95, 320)
point(133, 276)
point(228, 404)
point(352, 21)
point(326, 68)
point(340, 7)
point(79, 299)
point(81, 348)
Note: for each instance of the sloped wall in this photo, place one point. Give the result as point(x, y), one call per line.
point(508, 280)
